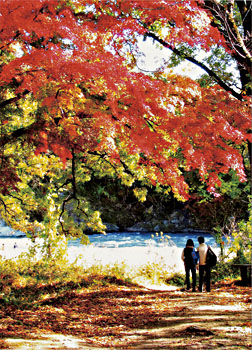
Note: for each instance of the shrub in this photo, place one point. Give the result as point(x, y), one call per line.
point(155, 272)
point(222, 271)
point(176, 279)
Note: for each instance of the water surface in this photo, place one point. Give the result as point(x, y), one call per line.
point(139, 239)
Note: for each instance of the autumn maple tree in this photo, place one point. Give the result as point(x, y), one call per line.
point(74, 105)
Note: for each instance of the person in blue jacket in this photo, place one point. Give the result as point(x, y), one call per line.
point(189, 256)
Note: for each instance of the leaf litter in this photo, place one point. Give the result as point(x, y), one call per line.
point(130, 317)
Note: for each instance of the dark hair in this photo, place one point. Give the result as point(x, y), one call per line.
point(201, 239)
point(190, 243)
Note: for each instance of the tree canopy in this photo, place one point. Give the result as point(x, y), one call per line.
point(73, 104)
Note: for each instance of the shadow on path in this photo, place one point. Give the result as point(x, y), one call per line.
point(130, 317)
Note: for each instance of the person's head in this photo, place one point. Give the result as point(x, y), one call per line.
point(189, 243)
point(201, 239)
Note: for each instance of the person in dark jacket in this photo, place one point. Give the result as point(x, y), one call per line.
point(190, 264)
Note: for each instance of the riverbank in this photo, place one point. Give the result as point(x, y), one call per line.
point(130, 256)
point(11, 248)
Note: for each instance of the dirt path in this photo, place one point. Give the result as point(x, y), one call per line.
point(128, 317)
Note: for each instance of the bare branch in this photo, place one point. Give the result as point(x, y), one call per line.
point(236, 31)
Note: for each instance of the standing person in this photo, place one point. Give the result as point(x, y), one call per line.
point(190, 264)
point(204, 269)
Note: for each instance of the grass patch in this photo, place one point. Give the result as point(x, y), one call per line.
point(25, 281)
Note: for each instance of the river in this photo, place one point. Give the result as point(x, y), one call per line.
point(132, 248)
point(140, 239)
point(124, 239)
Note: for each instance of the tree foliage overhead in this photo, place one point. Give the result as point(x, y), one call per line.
point(69, 88)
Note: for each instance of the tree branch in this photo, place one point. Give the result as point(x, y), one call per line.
point(18, 133)
point(197, 63)
point(13, 99)
point(73, 175)
point(237, 33)
point(237, 40)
